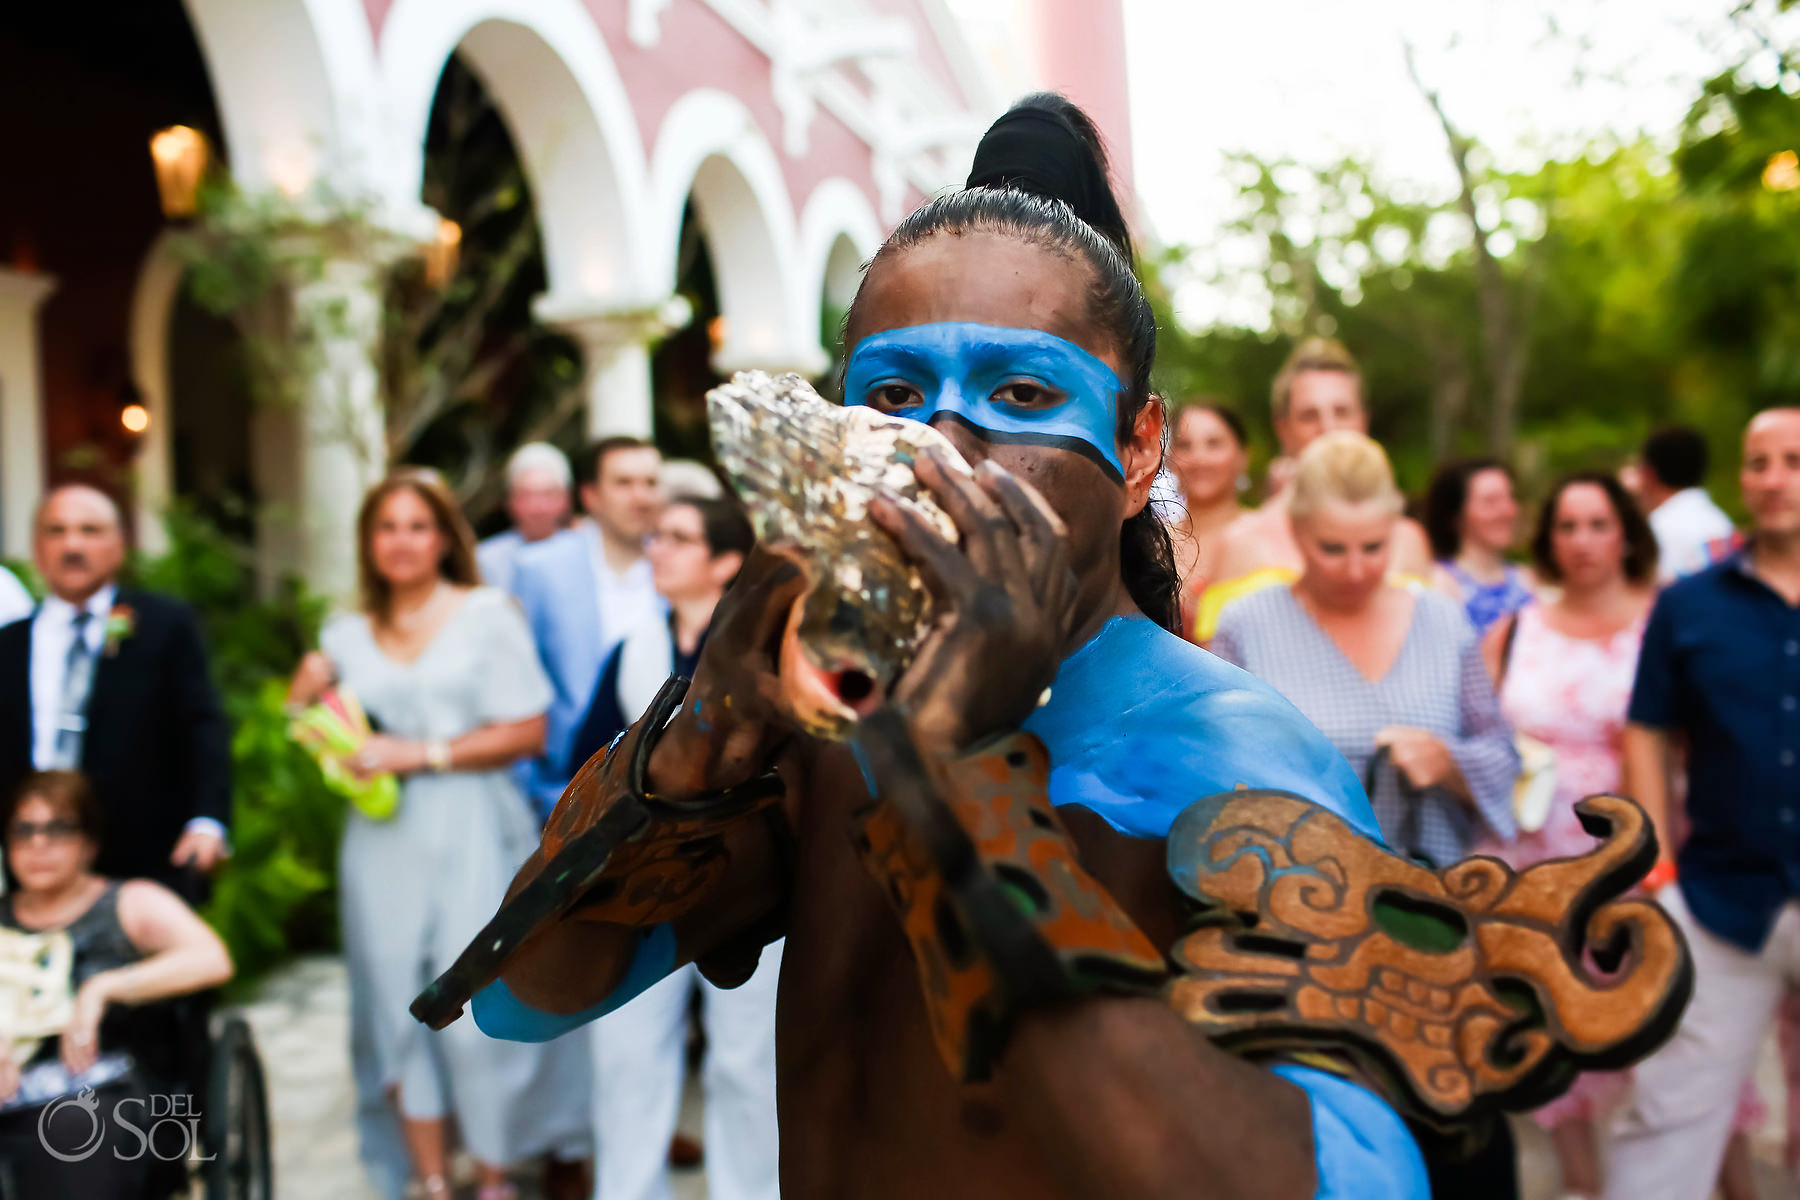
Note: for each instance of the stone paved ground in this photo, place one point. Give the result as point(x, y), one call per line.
point(300, 1017)
point(301, 1020)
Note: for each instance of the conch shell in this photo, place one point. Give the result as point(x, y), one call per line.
point(806, 470)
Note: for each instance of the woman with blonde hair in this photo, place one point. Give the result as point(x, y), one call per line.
point(449, 677)
point(1391, 673)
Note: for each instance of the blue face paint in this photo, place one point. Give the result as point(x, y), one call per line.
point(977, 374)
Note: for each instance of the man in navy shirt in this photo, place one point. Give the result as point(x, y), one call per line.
point(1721, 668)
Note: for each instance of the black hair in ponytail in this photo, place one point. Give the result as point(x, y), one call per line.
point(1040, 176)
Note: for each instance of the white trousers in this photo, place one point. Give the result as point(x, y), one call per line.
point(1669, 1139)
point(638, 1072)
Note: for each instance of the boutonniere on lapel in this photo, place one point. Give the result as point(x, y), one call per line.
point(121, 622)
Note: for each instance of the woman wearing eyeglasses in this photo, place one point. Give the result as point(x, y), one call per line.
point(695, 552)
point(123, 944)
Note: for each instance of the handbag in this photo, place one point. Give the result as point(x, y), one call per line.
point(333, 730)
point(1534, 791)
point(1412, 797)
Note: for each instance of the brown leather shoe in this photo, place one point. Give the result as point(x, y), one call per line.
point(686, 1153)
point(568, 1178)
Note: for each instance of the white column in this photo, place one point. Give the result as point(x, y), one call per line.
point(615, 352)
point(152, 311)
point(315, 457)
point(21, 407)
point(617, 383)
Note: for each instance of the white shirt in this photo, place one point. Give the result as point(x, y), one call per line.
point(1685, 524)
point(626, 599)
point(52, 633)
point(15, 602)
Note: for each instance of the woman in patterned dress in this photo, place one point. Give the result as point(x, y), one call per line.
point(1390, 672)
point(1565, 668)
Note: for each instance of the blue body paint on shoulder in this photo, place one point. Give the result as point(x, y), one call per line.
point(500, 1014)
point(1140, 724)
point(1362, 1150)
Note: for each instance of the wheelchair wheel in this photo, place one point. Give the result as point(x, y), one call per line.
point(237, 1120)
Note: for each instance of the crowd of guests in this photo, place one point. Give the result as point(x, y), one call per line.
point(115, 773)
point(1644, 647)
point(1633, 643)
point(482, 701)
point(487, 700)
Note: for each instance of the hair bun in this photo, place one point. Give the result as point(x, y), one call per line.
point(1046, 146)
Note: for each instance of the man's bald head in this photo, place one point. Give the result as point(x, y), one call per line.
point(1770, 475)
point(83, 497)
point(79, 540)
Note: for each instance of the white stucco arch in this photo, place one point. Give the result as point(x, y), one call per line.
point(152, 309)
point(710, 148)
point(838, 234)
point(298, 95)
point(550, 73)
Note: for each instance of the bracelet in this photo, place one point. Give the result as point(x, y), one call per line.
point(1660, 876)
point(437, 755)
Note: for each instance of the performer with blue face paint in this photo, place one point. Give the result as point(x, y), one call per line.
point(1014, 328)
point(1012, 800)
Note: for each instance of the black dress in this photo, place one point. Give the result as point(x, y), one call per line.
point(100, 1134)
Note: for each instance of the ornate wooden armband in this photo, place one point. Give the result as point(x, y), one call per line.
point(1463, 991)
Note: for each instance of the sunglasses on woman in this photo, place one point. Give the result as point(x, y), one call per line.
point(57, 829)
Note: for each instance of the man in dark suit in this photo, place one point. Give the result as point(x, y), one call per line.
point(115, 683)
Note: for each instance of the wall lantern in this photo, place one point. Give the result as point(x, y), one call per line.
point(180, 154)
point(442, 253)
point(1782, 174)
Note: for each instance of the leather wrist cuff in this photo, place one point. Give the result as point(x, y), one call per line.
point(612, 851)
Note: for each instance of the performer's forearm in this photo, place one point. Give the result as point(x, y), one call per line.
point(571, 966)
point(1132, 1102)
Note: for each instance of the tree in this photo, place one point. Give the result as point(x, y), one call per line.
point(1504, 305)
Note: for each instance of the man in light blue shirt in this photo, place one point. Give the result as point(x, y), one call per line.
point(585, 588)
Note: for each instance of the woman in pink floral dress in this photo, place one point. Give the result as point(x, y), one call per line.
point(1565, 667)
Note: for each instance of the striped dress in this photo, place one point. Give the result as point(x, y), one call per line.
point(1437, 683)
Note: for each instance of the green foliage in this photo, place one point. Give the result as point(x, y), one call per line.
point(247, 256)
point(1652, 288)
point(277, 893)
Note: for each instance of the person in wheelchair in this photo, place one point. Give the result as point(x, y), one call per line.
point(84, 1043)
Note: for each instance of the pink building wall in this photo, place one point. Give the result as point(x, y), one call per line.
point(1078, 48)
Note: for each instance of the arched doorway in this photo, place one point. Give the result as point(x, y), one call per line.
point(714, 167)
point(682, 368)
point(471, 372)
point(85, 220)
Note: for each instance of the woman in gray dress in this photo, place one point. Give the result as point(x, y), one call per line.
point(1391, 673)
point(448, 674)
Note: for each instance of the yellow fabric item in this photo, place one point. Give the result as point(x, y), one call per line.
point(1217, 595)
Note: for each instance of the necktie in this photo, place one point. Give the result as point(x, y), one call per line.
point(78, 681)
